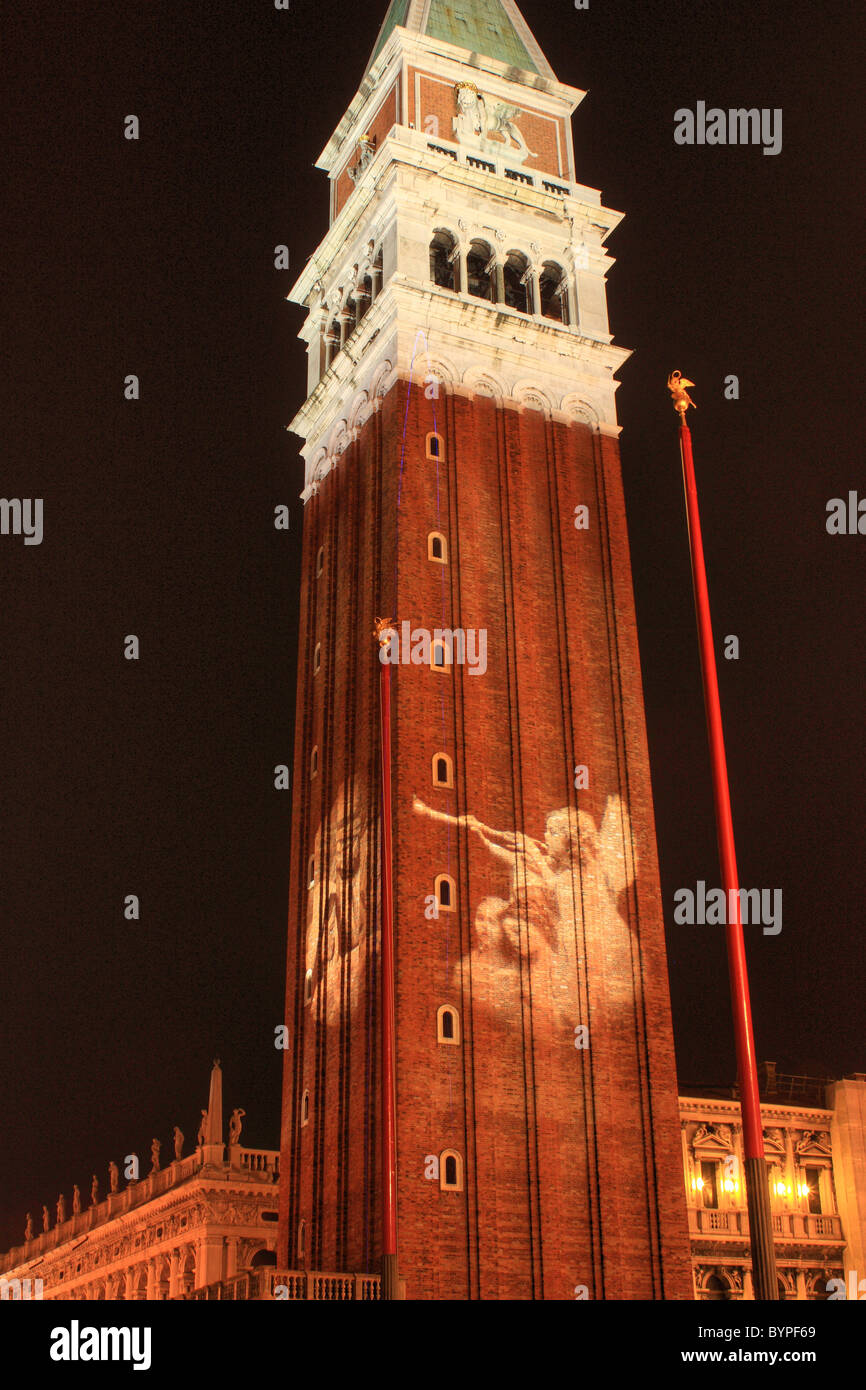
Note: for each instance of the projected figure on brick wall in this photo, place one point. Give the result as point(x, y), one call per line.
point(578, 868)
point(337, 912)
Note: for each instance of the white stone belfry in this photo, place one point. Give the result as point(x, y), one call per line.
point(462, 250)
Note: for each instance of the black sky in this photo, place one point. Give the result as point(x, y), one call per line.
point(156, 777)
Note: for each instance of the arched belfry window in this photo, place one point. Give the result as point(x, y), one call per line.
point(553, 292)
point(376, 270)
point(443, 770)
point(446, 892)
point(516, 277)
point(480, 279)
point(332, 341)
point(349, 318)
point(450, 1171)
point(363, 296)
point(437, 548)
point(448, 1025)
point(434, 445)
point(444, 261)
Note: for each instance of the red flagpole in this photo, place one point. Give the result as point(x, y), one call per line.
point(757, 1180)
point(390, 1280)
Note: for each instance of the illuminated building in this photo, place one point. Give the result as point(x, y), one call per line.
point(188, 1223)
point(463, 477)
point(204, 1227)
point(817, 1159)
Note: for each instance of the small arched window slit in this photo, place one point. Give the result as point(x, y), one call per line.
point(448, 1025)
point(443, 770)
point(437, 548)
point(440, 657)
point(446, 892)
point(450, 1171)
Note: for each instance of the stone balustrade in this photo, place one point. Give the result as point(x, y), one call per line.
point(301, 1285)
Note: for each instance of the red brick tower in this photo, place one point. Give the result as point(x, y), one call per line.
point(463, 477)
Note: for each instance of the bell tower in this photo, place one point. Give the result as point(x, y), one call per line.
point(463, 480)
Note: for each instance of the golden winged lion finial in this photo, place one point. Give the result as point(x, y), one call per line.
point(677, 384)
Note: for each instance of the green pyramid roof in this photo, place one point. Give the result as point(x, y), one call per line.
point(396, 16)
point(491, 28)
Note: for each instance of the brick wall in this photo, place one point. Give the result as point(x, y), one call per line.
point(571, 1157)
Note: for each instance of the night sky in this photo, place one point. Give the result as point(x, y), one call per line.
point(155, 777)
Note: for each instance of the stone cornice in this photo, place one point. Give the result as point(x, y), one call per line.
point(569, 374)
point(795, 1116)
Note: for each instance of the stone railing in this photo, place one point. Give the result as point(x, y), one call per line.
point(503, 165)
point(799, 1226)
point(293, 1285)
point(259, 1161)
point(495, 157)
point(709, 1221)
point(786, 1225)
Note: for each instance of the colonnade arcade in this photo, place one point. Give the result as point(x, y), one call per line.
point(539, 288)
point(509, 277)
point(351, 305)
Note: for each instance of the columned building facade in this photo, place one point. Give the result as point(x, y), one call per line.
point(184, 1226)
point(816, 1154)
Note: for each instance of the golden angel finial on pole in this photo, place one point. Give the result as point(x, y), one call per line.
point(384, 627)
point(677, 384)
